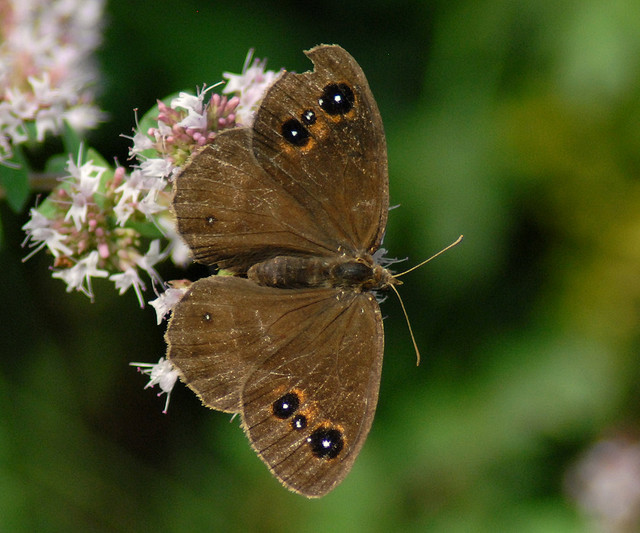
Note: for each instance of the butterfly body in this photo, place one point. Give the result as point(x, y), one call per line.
point(354, 273)
point(295, 206)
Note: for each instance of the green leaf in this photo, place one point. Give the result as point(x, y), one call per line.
point(56, 164)
point(15, 181)
point(49, 207)
point(32, 132)
point(146, 229)
point(95, 156)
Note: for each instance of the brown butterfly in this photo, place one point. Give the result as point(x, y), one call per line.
point(295, 206)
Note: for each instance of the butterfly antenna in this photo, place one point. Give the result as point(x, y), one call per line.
point(404, 310)
point(457, 241)
point(406, 316)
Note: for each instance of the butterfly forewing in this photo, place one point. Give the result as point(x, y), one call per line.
point(336, 163)
point(233, 214)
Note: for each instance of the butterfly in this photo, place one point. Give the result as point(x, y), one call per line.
point(295, 207)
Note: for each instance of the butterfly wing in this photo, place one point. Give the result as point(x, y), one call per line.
point(252, 194)
point(213, 338)
point(243, 348)
point(231, 212)
point(309, 406)
point(336, 161)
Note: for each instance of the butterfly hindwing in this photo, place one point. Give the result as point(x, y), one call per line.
point(308, 407)
point(214, 341)
point(242, 347)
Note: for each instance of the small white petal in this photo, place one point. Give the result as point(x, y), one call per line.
point(188, 102)
point(129, 278)
point(164, 303)
point(79, 276)
point(161, 373)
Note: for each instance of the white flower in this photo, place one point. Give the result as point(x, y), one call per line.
point(194, 120)
point(20, 104)
point(83, 116)
point(149, 205)
point(189, 102)
point(250, 86)
point(78, 210)
point(79, 276)
point(180, 252)
point(123, 211)
point(156, 168)
point(48, 119)
point(152, 257)
point(41, 234)
point(84, 180)
point(161, 373)
point(47, 72)
point(132, 186)
point(141, 142)
point(6, 152)
point(162, 131)
point(130, 191)
point(42, 90)
point(11, 125)
point(164, 303)
point(605, 483)
point(129, 278)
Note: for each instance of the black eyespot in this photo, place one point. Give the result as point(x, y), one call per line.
point(309, 117)
point(294, 132)
point(326, 443)
point(285, 406)
point(337, 99)
point(299, 422)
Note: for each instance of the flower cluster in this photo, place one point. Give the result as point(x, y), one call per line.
point(46, 68)
point(79, 226)
point(104, 222)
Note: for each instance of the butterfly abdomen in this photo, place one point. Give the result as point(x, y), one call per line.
point(287, 272)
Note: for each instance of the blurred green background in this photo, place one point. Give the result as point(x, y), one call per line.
point(516, 123)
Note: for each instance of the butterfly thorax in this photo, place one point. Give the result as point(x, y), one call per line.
point(291, 272)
